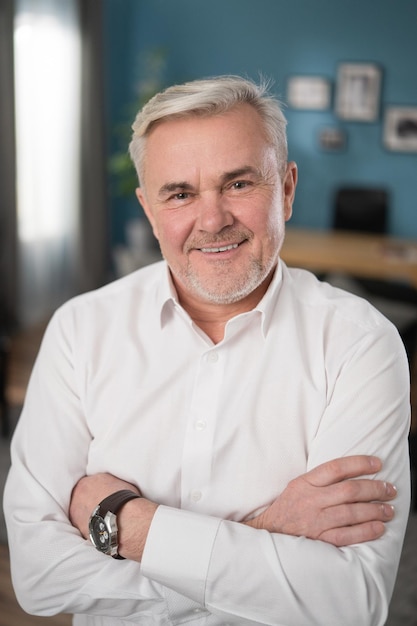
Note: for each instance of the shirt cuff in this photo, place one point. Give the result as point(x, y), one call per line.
point(178, 550)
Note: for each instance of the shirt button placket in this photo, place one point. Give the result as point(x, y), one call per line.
point(198, 445)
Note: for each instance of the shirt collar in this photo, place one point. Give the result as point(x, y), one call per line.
point(167, 296)
point(267, 305)
point(168, 299)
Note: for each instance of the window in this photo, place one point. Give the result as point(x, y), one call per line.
point(47, 52)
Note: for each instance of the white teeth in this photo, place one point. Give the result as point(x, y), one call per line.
point(222, 249)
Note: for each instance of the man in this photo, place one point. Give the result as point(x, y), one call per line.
point(258, 412)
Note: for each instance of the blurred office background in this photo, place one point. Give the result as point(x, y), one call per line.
point(82, 68)
point(74, 72)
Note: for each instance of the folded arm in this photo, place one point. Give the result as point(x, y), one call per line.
point(324, 504)
point(332, 505)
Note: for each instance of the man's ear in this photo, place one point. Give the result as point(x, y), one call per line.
point(288, 188)
point(140, 194)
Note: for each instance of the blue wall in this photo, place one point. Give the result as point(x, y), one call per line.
point(279, 39)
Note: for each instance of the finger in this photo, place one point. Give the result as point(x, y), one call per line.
point(347, 536)
point(357, 490)
point(355, 514)
point(336, 470)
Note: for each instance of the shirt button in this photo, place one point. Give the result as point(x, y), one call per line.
point(200, 425)
point(212, 357)
point(196, 495)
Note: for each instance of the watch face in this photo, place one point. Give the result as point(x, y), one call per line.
point(103, 532)
point(99, 533)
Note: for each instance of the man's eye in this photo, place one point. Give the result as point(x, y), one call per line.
point(179, 197)
point(240, 184)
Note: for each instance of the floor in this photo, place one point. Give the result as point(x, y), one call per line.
point(24, 348)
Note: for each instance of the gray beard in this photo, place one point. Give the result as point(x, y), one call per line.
point(217, 294)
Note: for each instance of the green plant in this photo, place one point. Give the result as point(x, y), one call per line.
point(151, 79)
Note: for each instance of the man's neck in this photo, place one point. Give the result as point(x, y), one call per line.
point(211, 317)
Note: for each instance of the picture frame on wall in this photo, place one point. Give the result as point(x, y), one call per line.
point(358, 92)
point(332, 139)
point(311, 93)
point(400, 129)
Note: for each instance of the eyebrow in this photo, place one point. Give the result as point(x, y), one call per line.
point(174, 186)
point(241, 171)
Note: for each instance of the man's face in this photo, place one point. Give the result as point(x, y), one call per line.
point(217, 204)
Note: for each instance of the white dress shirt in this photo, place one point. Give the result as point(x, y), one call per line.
point(126, 383)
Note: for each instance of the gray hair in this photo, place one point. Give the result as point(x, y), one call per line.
point(206, 97)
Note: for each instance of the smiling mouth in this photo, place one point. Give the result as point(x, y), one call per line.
point(232, 246)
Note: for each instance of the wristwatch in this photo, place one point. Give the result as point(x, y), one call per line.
point(103, 522)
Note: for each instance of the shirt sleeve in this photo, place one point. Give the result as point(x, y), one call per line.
point(251, 576)
point(53, 569)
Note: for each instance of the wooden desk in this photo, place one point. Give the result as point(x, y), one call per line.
point(371, 256)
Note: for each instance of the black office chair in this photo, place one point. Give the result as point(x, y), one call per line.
point(364, 209)
point(361, 209)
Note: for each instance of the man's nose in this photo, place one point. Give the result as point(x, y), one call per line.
point(213, 212)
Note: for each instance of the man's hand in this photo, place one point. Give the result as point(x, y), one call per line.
point(326, 504)
point(133, 520)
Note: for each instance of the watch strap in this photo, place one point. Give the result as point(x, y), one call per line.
point(116, 500)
